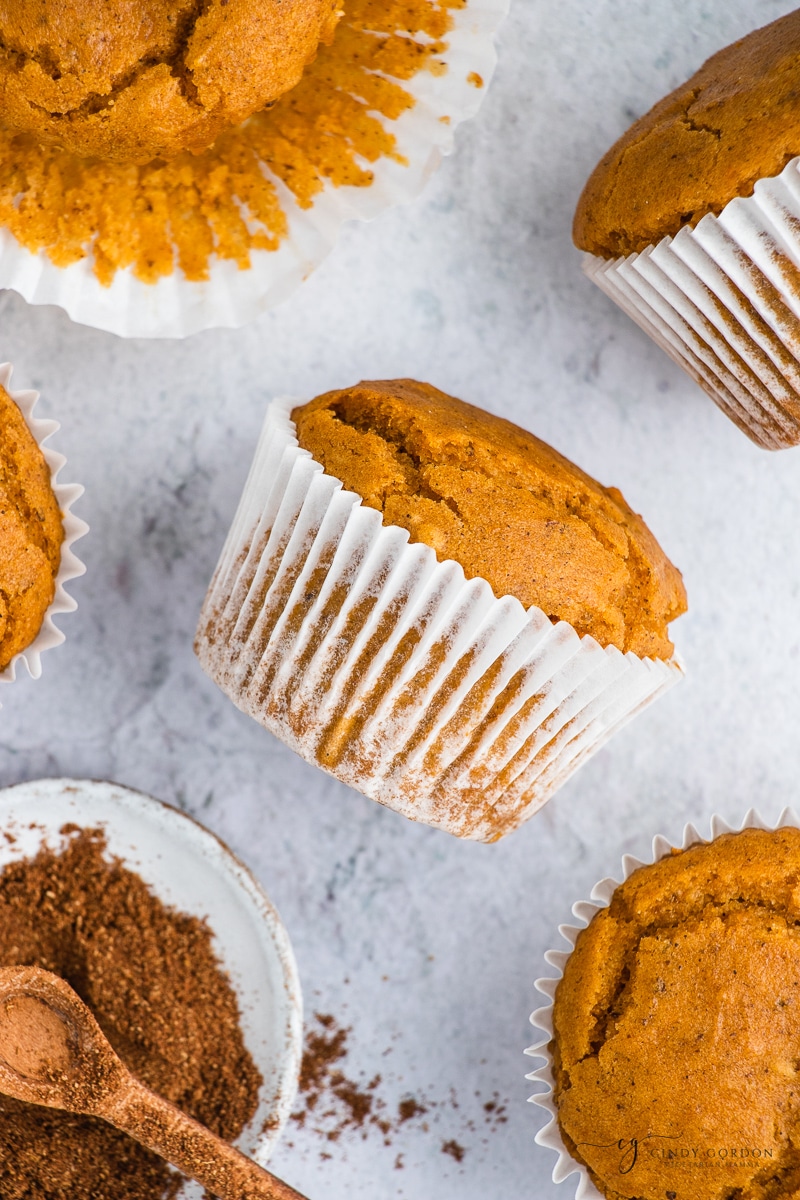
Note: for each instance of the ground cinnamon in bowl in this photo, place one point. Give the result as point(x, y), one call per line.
point(150, 976)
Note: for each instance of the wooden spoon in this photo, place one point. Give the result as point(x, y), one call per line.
point(53, 1052)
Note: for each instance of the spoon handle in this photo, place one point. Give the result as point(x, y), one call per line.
point(193, 1149)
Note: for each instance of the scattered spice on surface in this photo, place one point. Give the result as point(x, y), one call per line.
point(150, 976)
point(327, 1095)
point(408, 1109)
point(223, 203)
point(330, 1104)
point(496, 1110)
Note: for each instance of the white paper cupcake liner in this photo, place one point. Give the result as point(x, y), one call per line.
point(600, 897)
point(71, 566)
point(173, 307)
point(723, 300)
point(391, 670)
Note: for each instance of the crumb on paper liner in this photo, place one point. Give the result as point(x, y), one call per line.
point(391, 670)
point(723, 300)
point(584, 910)
point(70, 566)
point(168, 248)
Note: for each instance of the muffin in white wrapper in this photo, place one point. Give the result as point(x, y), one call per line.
point(70, 566)
point(549, 1135)
point(391, 670)
point(723, 300)
point(174, 307)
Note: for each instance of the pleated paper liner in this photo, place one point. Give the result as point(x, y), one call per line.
point(723, 300)
point(549, 1135)
point(391, 670)
point(71, 567)
point(175, 307)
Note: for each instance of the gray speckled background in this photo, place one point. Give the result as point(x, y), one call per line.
point(428, 947)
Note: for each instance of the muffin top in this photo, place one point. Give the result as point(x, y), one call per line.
point(501, 503)
point(31, 533)
point(132, 80)
point(734, 122)
point(677, 1026)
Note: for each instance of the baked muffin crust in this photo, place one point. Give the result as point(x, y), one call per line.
point(735, 121)
point(132, 80)
point(677, 1026)
point(501, 503)
point(31, 533)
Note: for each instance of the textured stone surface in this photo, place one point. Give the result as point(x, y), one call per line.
point(429, 947)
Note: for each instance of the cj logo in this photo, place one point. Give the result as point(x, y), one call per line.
point(630, 1148)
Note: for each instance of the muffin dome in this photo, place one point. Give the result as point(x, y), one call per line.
point(31, 534)
point(676, 1027)
point(503, 504)
point(737, 120)
point(132, 80)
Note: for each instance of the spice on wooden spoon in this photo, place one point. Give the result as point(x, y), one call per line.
point(53, 1052)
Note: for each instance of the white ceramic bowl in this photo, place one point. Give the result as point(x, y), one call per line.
point(188, 867)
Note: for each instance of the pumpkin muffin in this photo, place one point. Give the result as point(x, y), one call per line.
point(677, 1023)
point(503, 504)
point(377, 605)
point(692, 226)
point(31, 533)
point(737, 120)
point(132, 80)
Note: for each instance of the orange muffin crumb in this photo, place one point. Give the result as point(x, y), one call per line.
point(504, 505)
point(130, 81)
point(676, 1027)
point(223, 202)
point(737, 120)
point(31, 533)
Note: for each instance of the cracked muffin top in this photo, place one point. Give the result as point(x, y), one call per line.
point(737, 120)
point(504, 505)
point(31, 533)
point(677, 1026)
point(132, 80)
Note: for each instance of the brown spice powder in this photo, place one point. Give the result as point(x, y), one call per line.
point(322, 1081)
point(221, 203)
point(152, 980)
point(331, 1104)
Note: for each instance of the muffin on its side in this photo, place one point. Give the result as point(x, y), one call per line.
point(31, 533)
point(393, 635)
point(692, 222)
point(676, 1025)
point(504, 505)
